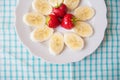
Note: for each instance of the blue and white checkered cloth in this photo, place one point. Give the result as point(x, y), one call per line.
point(16, 63)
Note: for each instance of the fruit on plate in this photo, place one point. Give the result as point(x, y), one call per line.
point(42, 6)
point(55, 3)
point(34, 19)
point(71, 4)
point(52, 21)
point(60, 10)
point(41, 34)
point(83, 29)
point(49, 14)
point(68, 21)
point(56, 43)
point(84, 13)
point(73, 41)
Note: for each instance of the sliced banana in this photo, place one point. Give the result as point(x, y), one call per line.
point(42, 6)
point(55, 3)
point(34, 19)
point(84, 13)
point(56, 43)
point(83, 29)
point(72, 4)
point(73, 41)
point(41, 34)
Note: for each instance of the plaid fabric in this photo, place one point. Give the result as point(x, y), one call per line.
point(16, 63)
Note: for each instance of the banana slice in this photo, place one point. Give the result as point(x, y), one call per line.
point(41, 34)
point(73, 41)
point(56, 43)
point(84, 13)
point(72, 4)
point(83, 29)
point(55, 3)
point(42, 6)
point(34, 19)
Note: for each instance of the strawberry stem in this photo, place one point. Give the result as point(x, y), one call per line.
point(57, 5)
point(74, 19)
point(47, 19)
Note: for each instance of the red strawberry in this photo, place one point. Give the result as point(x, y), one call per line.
point(63, 7)
point(60, 11)
point(68, 21)
point(52, 21)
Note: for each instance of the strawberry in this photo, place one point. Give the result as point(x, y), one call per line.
point(68, 21)
point(63, 7)
point(60, 11)
point(52, 21)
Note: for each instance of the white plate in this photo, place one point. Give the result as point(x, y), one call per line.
point(99, 23)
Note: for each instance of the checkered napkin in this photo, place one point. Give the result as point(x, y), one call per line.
point(16, 63)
